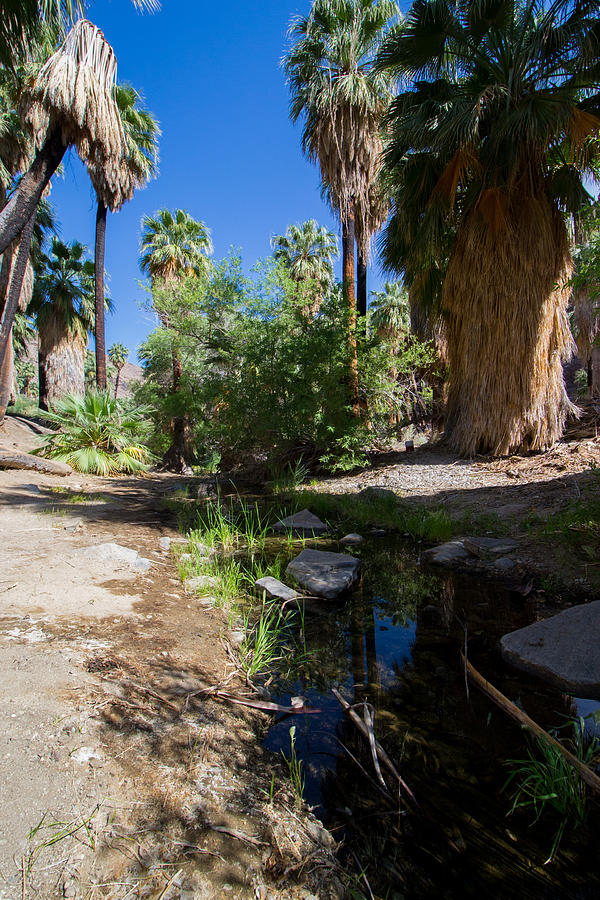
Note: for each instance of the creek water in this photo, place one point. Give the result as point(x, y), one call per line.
point(396, 643)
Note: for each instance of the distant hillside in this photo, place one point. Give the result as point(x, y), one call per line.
point(130, 375)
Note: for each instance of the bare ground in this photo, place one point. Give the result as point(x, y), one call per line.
point(118, 777)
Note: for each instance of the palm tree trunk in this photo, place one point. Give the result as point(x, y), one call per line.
point(7, 378)
point(61, 361)
point(12, 300)
point(176, 457)
point(350, 298)
point(595, 367)
point(28, 193)
point(508, 336)
point(361, 284)
point(117, 382)
point(101, 214)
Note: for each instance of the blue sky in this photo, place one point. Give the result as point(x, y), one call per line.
point(211, 74)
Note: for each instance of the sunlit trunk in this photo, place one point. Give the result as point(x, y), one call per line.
point(15, 285)
point(101, 214)
point(24, 199)
point(361, 284)
point(61, 361)
point(350, 298)
point(505, 298)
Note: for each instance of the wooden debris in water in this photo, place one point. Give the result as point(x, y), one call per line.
point(589, 777)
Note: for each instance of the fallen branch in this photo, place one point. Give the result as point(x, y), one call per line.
point(379, 749)
point(238, 835)
point(265, 705)
point(590, 778)
point(13, 460)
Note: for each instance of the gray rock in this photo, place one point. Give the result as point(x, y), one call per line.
point(276, 590)
point(164, 543)
point(73, 526)
point(185, 557)
point(303, 523)
point(504, 564)
point(200, 583)
point(352, 539)
point(237, 638)
point(325, 574)
point(482, 546)
point(371, 494)
point(447, 554)
point(111, 552)
point(562, 650)
point(320, 835)
point(142, 564)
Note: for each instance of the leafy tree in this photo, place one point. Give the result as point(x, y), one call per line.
point(63, 307)
point(138, 166)
point(341, 98)
point(174, 247)
point(308, 250)
point(118, 354)
point(494, 132)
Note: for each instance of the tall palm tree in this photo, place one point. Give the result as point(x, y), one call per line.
point(341, 99)
point(389, 312)
point(63, 308)
point(174, 246)
point(118, 354)
point(70, 103)
point(138, 166)
point(495, 129)
point(308, 250)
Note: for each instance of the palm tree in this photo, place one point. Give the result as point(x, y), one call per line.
point(63, 307)
point(494, 130)
point(389, 312)
point(118, 354)
point(137, 168)
point(69, 103)
point(174, 246)
point(20, 22)
point(341, 99)
point(307, 251)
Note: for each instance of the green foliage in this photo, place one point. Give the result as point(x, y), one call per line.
point(261, 648)
point(545, 781)
point(295, 768)
point(261, 381)
point(98, 434)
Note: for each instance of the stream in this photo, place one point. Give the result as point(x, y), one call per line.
point(396, 642)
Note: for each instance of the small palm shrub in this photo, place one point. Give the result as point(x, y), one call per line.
point(98, 434)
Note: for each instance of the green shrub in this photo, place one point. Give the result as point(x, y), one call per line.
point(98, 434)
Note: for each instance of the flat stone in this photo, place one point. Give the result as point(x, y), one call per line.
point(352, 539)
point(481, 546)
point(446, 554)
point(142, 564)
point(164, 543)
point(303, 523)
point(504, 564)
point(373, 494)
point(276, 590)
point(325, 574)
point(111, 552)
point(562, 649)
point(201, 583)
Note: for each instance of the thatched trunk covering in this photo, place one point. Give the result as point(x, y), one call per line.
point(61, 358)
point(505, 296)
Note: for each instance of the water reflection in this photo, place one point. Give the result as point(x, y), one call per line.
point(396, 643)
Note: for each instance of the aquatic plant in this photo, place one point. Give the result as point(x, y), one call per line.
point(295, 768)
point(546, 781)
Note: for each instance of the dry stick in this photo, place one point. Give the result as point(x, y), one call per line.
point(592, 780)
point(380, 751)
point(369, 720)
point(168, 885)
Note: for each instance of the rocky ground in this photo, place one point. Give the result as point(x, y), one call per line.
point(120, 775)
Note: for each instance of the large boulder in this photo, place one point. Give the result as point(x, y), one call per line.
point(325, 574)
point(302, 524)
point(562, 649)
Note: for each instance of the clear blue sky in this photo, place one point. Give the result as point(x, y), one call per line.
point(229, 155)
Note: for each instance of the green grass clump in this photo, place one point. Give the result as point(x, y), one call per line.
point(546, 783)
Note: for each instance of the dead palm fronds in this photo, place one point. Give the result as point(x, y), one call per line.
point(74, 95)
point(508, 331)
